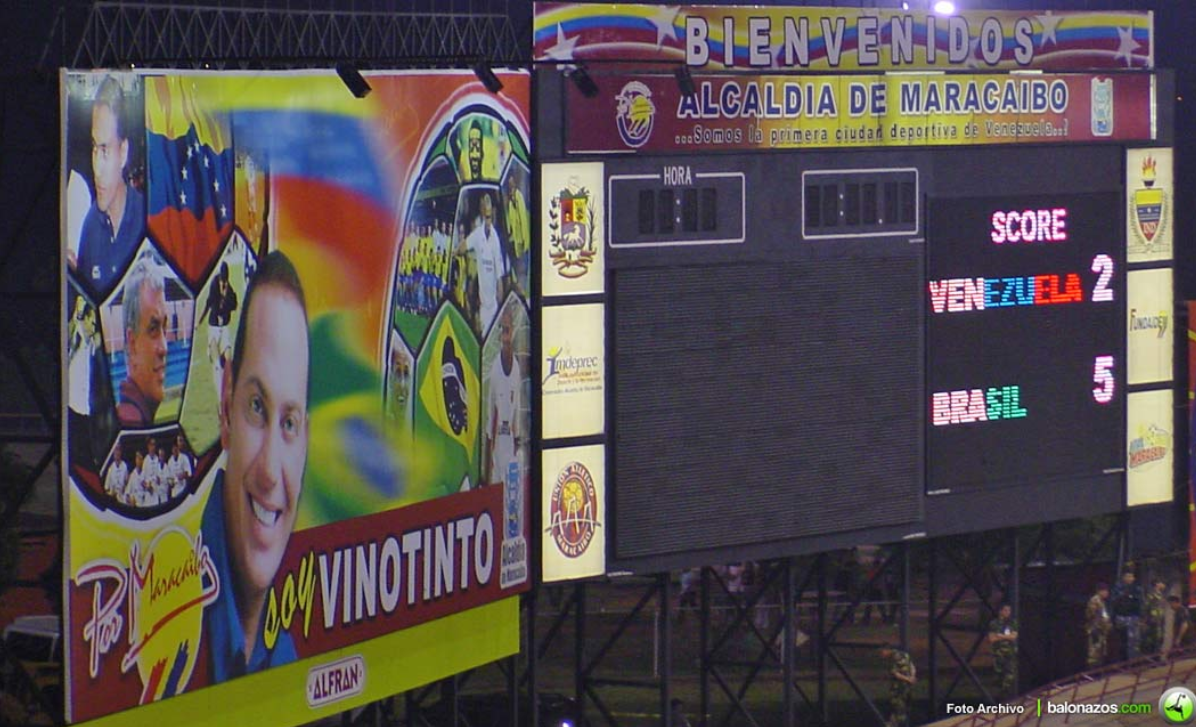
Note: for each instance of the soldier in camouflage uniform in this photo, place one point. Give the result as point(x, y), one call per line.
point(1181, 624)
point(1155, 612)
point(1098, 625)
point(902, 677)
point(1002, 635)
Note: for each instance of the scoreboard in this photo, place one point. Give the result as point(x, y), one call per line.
point(811, 346)
point(1025, 340)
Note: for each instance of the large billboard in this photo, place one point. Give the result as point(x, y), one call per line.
point(755, 38)
point(298, 425)
point(1025, 340)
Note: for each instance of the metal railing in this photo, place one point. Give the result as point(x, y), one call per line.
point(1095, 687)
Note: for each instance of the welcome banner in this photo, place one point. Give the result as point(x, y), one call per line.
point(296, 342)
point(842, 39)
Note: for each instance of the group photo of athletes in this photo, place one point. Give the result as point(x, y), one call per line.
point(149, 470)
point(429, 272)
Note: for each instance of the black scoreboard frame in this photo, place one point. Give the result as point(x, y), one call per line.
point(943, 174)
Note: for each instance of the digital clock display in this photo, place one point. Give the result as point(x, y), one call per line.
point(1025, 307)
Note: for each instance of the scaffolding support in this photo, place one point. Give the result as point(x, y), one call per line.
point(117, 33)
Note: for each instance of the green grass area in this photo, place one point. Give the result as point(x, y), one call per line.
point(172, 402)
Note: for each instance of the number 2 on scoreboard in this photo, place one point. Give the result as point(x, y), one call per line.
point(1102, 376)
point(1102, 264)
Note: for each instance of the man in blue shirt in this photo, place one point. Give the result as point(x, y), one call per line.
point(115, 224)
point(253, 505)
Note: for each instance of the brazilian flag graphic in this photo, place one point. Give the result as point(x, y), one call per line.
point(447, 412)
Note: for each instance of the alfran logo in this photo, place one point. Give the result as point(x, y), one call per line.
point(635, 114)
point(333, 682)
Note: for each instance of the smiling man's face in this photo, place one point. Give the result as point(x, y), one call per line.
point(264, 432)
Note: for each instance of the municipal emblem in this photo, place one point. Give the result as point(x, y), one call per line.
point(636, 113)
point(1149, 205)
point(571, 245)
point(573, 510)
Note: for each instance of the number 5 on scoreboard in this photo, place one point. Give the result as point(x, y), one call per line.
point(1102, 376)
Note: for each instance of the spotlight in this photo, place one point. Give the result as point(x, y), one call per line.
point(484, 73)
point(944, 7)
point(353, 80)
point(581, 79)
point(905, 6)
point(685, 82)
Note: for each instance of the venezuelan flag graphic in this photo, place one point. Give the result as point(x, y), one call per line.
point(191, 168)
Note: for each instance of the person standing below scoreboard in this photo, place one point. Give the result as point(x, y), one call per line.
point(1098, 624)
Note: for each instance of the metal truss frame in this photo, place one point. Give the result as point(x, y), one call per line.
point(588, 661)
point(123, 33)
point(898, 559)
point(995, 577)
point(984, 580)
point(784, 582)
point(775, 583)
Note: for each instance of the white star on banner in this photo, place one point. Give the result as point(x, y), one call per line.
point(183, 198)
point(563, 49)
point(1126, 45)
point(216, 185)
point(664, 20)
point(185, 173)
point(1049, 23)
